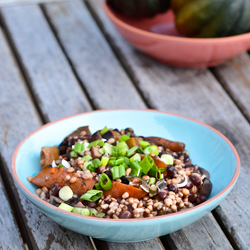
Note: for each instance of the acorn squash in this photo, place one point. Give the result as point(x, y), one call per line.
point(211, 18)
point(139, 8)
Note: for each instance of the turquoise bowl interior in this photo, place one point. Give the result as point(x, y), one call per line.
point(208, 149)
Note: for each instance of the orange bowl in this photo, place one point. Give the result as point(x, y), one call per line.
point(158, 38)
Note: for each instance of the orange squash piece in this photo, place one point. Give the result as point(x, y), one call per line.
point(131, 142)
point(50, 175)
point(118, 189)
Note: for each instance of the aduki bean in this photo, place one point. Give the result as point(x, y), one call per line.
point(196, 179)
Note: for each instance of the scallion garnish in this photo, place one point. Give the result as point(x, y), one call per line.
point(151, 149)
point(78, 147)
point(104, 161)
point(105, 182)
point(136, 168)
point(118, 172)
point(146, 164)
point(144, 144)
point(87, 158)
point(95, 143)
point(92, 195)
point(104, 130)
point(73, 154)
point(123, 138)
point(132, 151)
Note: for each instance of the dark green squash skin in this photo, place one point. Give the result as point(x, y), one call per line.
point(211, 18)
point(139, 8)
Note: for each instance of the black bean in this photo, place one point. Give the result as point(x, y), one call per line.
point(201, 199)
point(190, 166)
point(107, 135)
point(92, 204)
point(189, 184)
point(108, 200)
point(125, 215)
point(191, 197)
point(55, 188)
point(171, 170)
point(124, 180)
point(109, 174)
point(73, 201)
point(172, 187)
point(130, 208)
point(47, 195)
point(162, 195)
point(62, 149)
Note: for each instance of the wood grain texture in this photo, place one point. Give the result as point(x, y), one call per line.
point(235, 77)
point(197, 94)
point(50, 76)
point(10, 237)
point(18, 119)
point(105, 81)
point(4, 3)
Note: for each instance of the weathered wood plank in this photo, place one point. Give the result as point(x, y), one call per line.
point(44, 63)
point(10, 237)
point(4, 3)
point(197, 94)
point(235, 78)
point(18, 119)
point(105, 81)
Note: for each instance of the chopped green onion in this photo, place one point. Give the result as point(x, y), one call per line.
point(104, 161)
point(105, 182)
point(98, 186)
point(100, 215)
point(104, 130)
point(146, 164)
point(107, 147)
point(123, 138)
point(140, 150)
point(95, 143)
point(144, 144)
point(102, 151)
point(78, 147)
point(122, 145)
point(136, 157)
point(136, 168)
point(60, 165)
point(66, 207)
point(118, 172)
point(92, 195)
point(87, 158)
point(154, 171)
point(81, 211)
point(132, 151)
point(167, 159)
point(91, 167)
point(65, 193)
point(97, 163)
point(122, 152)
point(151, 149)
point(83, 146)
point(115, 151)
point(73, 154)
point(119, 161)
point(85, 165)
point(126, 159)
point(152, 180)
point(112, 162)
point(93, 212)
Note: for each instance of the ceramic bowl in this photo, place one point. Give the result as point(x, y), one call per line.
point(158, 38)
point(207, 147)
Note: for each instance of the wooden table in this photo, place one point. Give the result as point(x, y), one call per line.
point(64, 58)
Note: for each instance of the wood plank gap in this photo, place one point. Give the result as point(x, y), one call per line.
point(23, 71)
point(17, 209)
point(67, 58)
point(224, 86)
point(121, 59)
point(224, 229)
